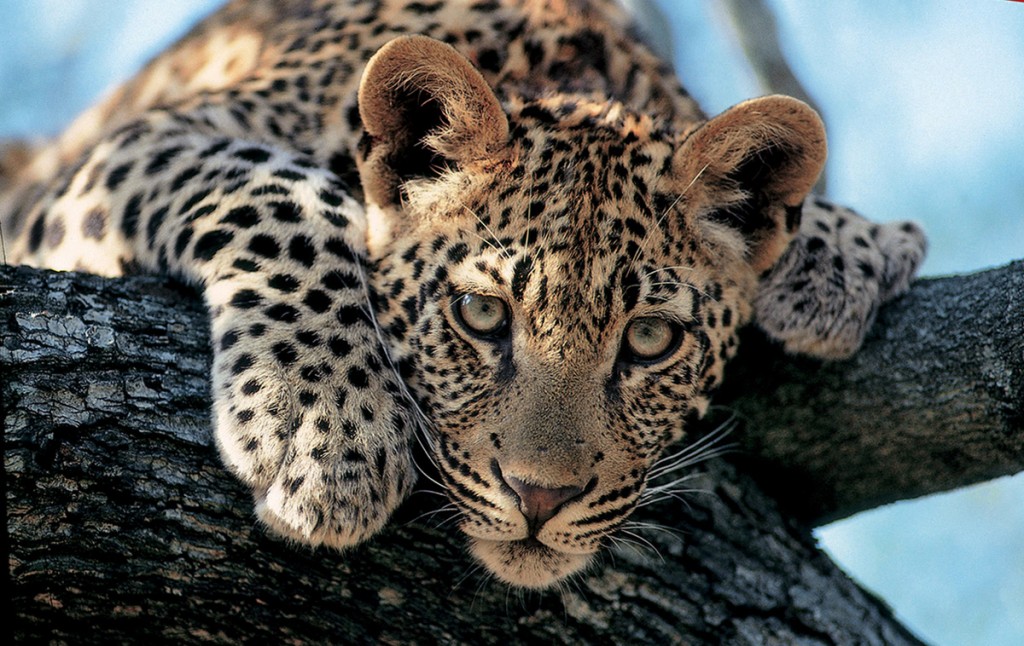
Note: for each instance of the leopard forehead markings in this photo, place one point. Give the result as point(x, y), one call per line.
point(514, 231)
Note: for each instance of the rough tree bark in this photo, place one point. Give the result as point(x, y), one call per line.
point(122, 526)
point(933, 401)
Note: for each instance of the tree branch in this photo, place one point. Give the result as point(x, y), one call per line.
point(122, 525)
point(932, 402)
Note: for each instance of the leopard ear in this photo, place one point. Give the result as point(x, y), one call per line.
point(424, 107)
point(754, 164)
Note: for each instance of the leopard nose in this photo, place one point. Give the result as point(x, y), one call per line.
point(540, 504)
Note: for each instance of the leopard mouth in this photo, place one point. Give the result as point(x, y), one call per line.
point(527, 562)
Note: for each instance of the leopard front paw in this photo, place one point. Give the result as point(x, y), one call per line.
point(312, 419)
point(822, 296)
point(903, 246)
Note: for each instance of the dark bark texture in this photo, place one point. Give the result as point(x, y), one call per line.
point(933, 401)
point(123, 527)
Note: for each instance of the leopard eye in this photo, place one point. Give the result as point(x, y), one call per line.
point(649, 339)
point(485, 316)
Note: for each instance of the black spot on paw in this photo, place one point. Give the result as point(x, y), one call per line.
point(210, 243)
point(246, 299)
point(242, 216)
point(339, 347)
point(282, 312)
point(287, 212)
point(94, 224)
point(251, 387)
point(229, 339)
point(184, 237)
point(242, 364)
point(55, 233)
point(322, 424)
point(156, 220)
point(358, 377)
point(35, 234)
point(285, 353)
point(301, 249)
point(351, 314)
point(117, 175)
point(317, 301)
point(294, 485)
point(283, 283)
point(130, 216)
point(308, 338)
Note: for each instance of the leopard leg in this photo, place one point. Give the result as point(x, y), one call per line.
point(822, 296)
point(307, 408)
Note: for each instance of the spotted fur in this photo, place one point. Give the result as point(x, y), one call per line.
point(338, 178)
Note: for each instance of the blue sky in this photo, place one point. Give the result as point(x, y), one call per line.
point(923, 100)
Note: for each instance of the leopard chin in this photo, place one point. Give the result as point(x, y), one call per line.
point(527, 563)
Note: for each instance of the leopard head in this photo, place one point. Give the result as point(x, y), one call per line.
point(562, 281)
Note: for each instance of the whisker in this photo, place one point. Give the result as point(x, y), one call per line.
point(620, 543)
point(661, 269)
point(647, 526)
point(473, 569)
point(701, 450)
point(488, 242)
point(641, 541)
point(670, 484)
point(718, 433)
point(668, 209)
point(489, 231)
point(696, 458)
point(676, 494)
point(429, 492)
point(447, 509)
point(423, 472)
point(676, 283)
point(421, 424)
point(689, 286)
point(624, 543)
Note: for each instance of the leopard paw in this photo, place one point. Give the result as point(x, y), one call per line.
point(822, 296)
point(312, 419)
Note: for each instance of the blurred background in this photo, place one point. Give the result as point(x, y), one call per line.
point(924, 104)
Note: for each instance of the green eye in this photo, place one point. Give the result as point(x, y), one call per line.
point(650, 339)
point(485, 316)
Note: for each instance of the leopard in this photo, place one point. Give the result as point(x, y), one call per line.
point(499, 230)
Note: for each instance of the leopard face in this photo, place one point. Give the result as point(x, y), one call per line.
point(560, 303)
point(558, 342)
